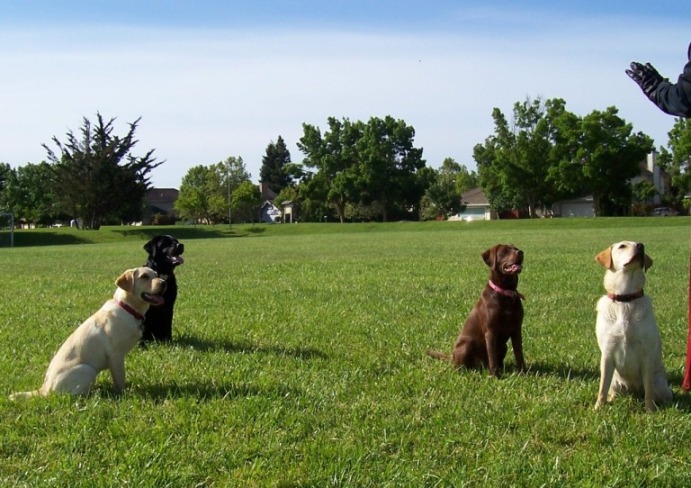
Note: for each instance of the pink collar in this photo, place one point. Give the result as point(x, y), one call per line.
point(507, 293)
point(130, 310)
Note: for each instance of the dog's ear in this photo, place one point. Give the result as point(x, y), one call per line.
point(605, 258)
point(490, 256)
point(126, 281)
point(149, 246)
point(647, 262)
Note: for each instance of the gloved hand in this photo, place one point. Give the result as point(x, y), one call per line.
point(647, 78)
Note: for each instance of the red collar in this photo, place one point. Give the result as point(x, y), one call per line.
point(130, 310)
point(507, 293)
point(626, 298)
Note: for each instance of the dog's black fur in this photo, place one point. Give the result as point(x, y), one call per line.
point(164, 255)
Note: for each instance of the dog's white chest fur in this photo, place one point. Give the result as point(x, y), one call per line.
point(626, 332)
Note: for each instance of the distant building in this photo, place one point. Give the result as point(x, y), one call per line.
point(270, 213)
point(477, 207)
point(160, 202)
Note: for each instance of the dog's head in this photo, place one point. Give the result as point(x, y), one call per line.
point(626, 263)
point(505, 261)
point(623, 256)
point(140, 287)
point(165, 253)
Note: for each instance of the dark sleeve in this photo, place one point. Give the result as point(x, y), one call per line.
point(675, 99)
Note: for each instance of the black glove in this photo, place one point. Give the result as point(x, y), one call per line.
point(647, 78)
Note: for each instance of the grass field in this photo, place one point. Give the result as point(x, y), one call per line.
point(299, 360)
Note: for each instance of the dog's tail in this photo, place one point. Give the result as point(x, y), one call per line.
point(25, 394)
point(438, 355)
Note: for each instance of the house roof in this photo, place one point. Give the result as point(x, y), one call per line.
point(266, 192)
point(161, 195)
point(474, 197)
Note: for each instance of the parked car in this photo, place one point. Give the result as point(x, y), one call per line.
point(664, 212)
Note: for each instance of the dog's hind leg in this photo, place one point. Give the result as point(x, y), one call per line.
point(76, 381)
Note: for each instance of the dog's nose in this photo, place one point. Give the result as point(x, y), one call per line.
point(640, 247)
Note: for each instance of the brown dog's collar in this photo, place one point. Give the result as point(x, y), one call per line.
point(507, 293)
point(130, 310)
point(625, 298)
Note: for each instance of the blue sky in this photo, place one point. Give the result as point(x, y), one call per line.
point(213, 79)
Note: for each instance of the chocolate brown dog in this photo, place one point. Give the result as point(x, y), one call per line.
point(496, 317)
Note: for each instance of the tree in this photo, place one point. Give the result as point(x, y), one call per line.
point(5, 174)
point(388, 164)
point(334, 158)
point(443, 195)
point(514, 163)
point(97, 177)
point(245, 202)
point(193, 201)
point(604, 155)
point(30, 193)
point(676, 159)
point(201, 195)
point(206, 191)
point(273, 171)
point(370, 167)
point(233, 173)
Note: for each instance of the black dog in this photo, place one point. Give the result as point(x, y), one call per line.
point(164, 255)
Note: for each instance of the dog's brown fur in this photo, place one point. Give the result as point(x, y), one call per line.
point(495, 318)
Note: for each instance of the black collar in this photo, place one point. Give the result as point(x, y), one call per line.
point(626, 298)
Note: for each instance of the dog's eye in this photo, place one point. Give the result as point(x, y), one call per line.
point(622, 246)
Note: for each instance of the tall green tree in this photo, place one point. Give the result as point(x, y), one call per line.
point(98, 177)
point(364, 166)
point(514, 163)
point(334, 161)
point(604, 155)
point(274, 169)
point(232, 173)
point(388, 165)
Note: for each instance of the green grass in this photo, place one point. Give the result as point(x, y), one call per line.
point(299, 361)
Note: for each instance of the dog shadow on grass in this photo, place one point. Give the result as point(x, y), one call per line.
point(211, 391)
point(562, 371)
point(204, 345)
point(680, 400)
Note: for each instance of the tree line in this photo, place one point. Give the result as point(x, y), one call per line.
point(360, 171)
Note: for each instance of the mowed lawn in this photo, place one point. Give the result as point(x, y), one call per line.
point(299, 360)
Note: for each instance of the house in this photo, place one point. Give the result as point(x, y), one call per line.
point(270, 213)
point(652, 173)
point(585, 206)
point(160, 202)
point(477, 207)
point(574, 207)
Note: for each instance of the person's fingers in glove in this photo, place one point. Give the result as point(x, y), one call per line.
point(647, 77)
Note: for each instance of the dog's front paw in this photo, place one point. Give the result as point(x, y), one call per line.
point(650, 406)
